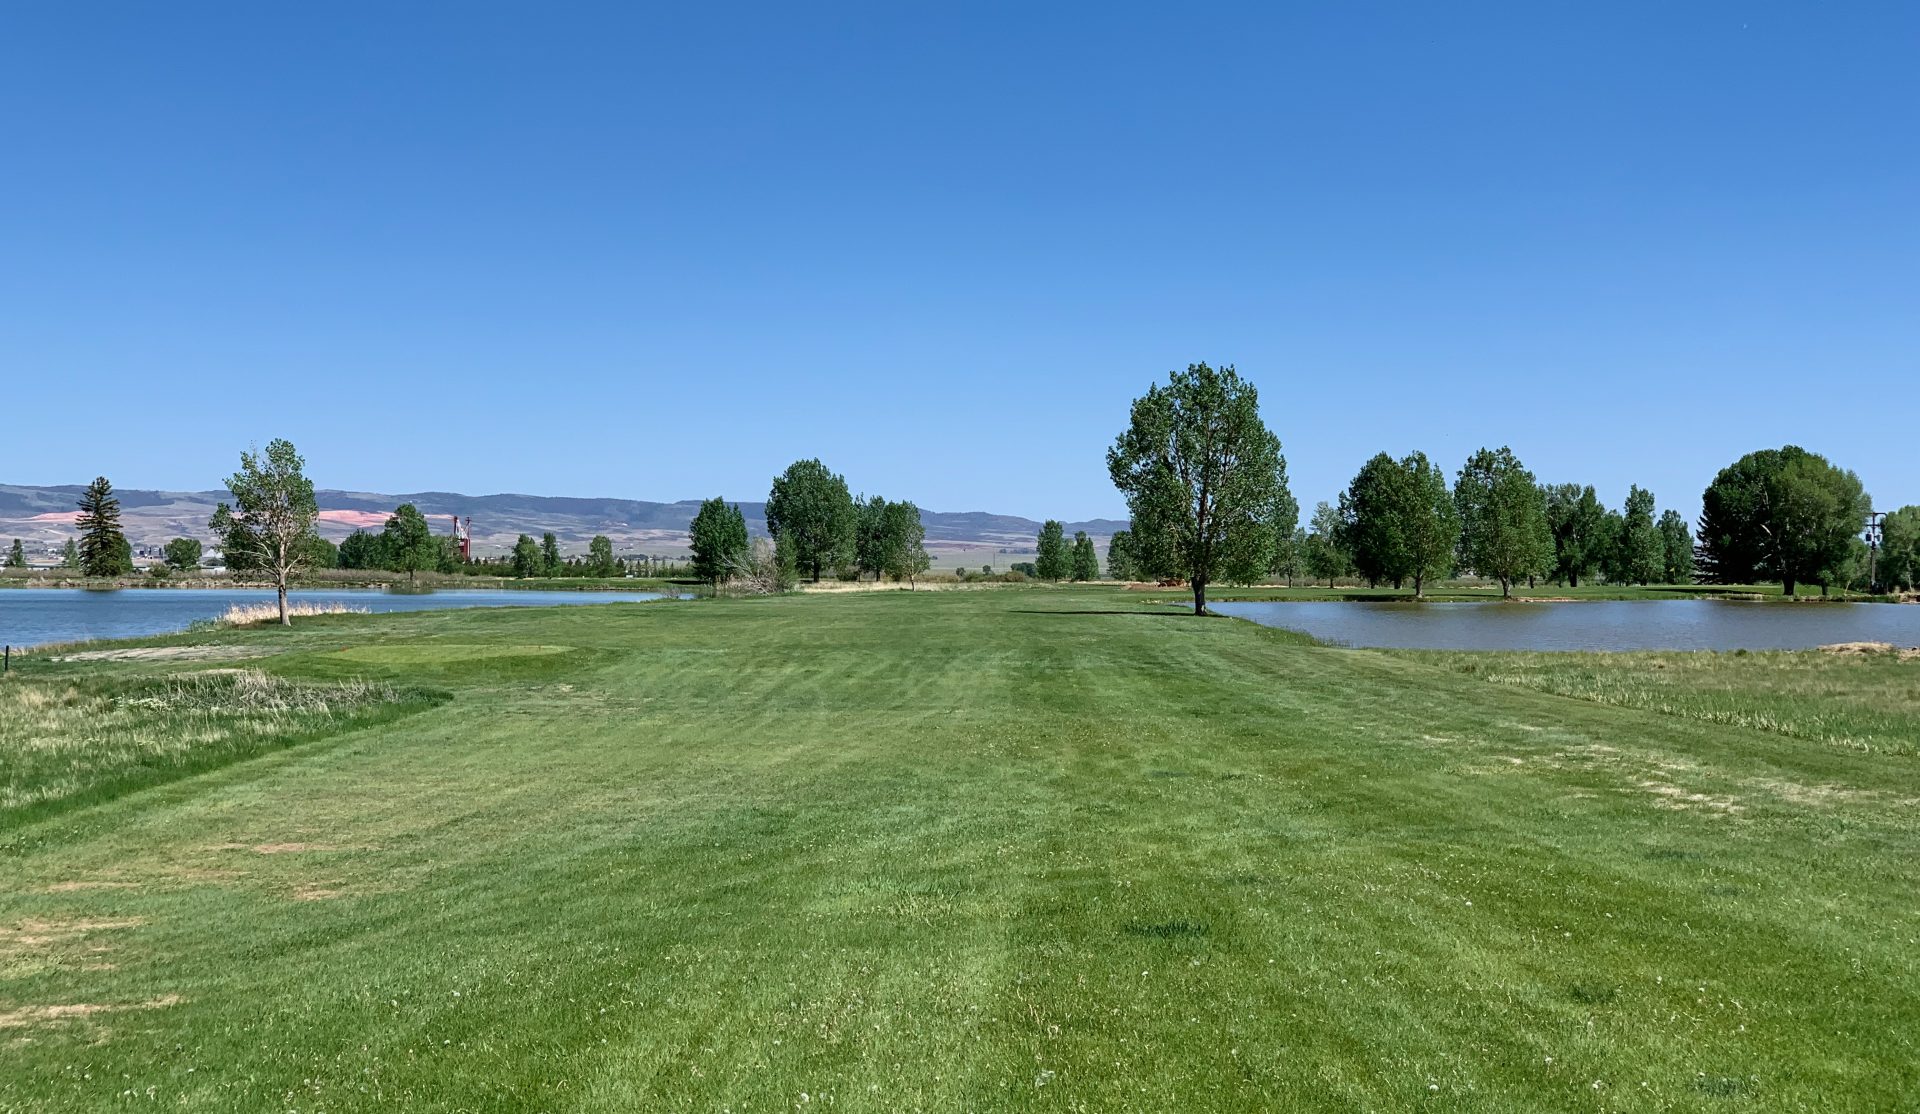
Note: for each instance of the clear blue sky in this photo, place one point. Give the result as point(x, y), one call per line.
point(661, 252)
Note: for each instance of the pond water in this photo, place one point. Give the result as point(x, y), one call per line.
point(33, 616)
point(1590, 625)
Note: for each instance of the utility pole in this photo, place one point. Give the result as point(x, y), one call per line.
point(1873, 550)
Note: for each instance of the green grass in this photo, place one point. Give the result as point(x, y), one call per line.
point(1030, 850)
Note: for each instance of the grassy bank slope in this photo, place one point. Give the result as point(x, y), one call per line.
point(948, 851)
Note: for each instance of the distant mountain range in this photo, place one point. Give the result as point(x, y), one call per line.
point(43, 517)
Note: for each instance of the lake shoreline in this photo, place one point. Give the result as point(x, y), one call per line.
point(478, 583)
point(35, 619)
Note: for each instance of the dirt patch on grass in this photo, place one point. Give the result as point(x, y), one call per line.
point(296, 848)
point(82, 885)
point(1906, 653)
point(34, 928)
point(22, 1017)
point(1668, 795)
point(1793, 792)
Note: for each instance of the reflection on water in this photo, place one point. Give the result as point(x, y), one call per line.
point(1590, 625)
point(33, 616)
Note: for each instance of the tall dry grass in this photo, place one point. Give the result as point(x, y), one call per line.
point(64, 740)
point(254, 614)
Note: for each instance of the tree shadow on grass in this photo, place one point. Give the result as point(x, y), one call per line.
point(1163, 613)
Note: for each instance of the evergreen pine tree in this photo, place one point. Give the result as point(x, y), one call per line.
point(103, 549)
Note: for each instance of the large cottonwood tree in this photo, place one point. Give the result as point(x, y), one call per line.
point(1050, 551)
point(1503, 518)
point(812, 509)
point(270, 525)
point(718, 538)
point(1203, 476)
point(1578, 523)
point(1780, 514)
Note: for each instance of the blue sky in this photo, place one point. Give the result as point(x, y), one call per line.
point(605, 250)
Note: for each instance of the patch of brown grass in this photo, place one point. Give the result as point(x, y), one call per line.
point(22, 1017)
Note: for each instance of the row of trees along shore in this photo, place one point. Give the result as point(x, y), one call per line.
point(1206, 489)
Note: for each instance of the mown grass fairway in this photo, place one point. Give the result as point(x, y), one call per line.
point(1047, 850)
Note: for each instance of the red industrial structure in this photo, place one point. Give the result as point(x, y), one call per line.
point(463, 536)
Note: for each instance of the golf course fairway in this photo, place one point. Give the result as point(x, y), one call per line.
point(1020, 849)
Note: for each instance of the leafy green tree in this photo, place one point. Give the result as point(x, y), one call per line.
point(17, 556)
point(870, 535)
point(1642, 555)
point(1291, 557)
point(183, 553)
point(1084, 562)
point(1372, 531)
point(1430, 521)
point(719, 540)
point(1898, 565)
point(361, 550)
point(600, 558)
point(69, 555)
point(103, 548)
point(1576, 519)
point(1324, 555)
point(550, 554)
point(527, 560)
point(408, 542)
point(1676, 549)
point(904, 555)
point(1204, 478)
point(1503, 518)
point(271, 522)
point(1120, 564)
point(814, 506)
point(1613, 555)
point(1779, 514)
point(786, 568)
point(1051, 563)
point(322, 554)
point(1398, 521)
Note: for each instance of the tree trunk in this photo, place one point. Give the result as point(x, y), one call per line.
point(1199, 597)
point(285, 620)
point(1787, 584)
point(1529, 582)
point(1573, 580)
point(1419, 586)
point(1506, 588)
